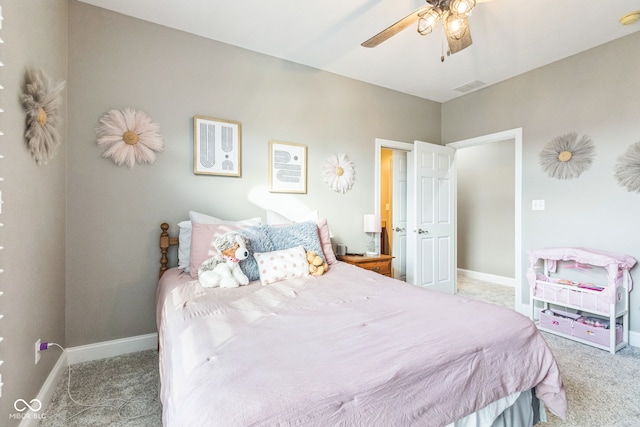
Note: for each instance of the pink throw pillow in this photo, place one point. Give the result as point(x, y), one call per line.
point(325, 241)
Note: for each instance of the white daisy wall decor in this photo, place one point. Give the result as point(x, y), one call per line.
point(129, 136)
point(567, 156)
point(628, 168)
point(41, 100)
point(339, 173)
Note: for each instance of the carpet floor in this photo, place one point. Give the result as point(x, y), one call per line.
point(602, 388)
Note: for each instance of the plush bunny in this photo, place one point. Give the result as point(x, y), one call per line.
point(223, 270)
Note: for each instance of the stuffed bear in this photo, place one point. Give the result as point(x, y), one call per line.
point(317, 266)
point(223, 270)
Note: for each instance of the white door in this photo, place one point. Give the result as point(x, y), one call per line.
point(399, 214)
point(431, 242)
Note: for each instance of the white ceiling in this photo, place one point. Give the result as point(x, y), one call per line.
point(510, 37)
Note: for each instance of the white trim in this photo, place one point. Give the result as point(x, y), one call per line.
point(516, 135)
point(486, 277)
point(380, 144)
point(105, 349)
point(46, 391)
point(85, 353)
point(634, 339)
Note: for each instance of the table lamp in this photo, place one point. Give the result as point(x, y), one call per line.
point(372, 224)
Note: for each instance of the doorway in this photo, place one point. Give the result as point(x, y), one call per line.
point(384, 195)
point(514, 135)
point(393, 209)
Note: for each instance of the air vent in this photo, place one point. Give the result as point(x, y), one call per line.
point(470, 86)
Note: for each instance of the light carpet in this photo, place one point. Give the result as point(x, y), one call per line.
point(602, 388)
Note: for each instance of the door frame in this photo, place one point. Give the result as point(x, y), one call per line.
point(380, 144)
point(514, 134)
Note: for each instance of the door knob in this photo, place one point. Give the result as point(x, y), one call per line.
point(398, 229)
point(421, 231)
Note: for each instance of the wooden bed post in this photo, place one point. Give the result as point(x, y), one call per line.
point(166, 242)
point(164, 247)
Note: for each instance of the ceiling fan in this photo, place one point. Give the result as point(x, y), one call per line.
point(454, 15)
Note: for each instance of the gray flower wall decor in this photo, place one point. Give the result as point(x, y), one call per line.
point(567, 156)
point(628, 168)
point(41, 100)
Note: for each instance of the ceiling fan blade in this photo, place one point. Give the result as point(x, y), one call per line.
point(395, 28)
point(456, 45)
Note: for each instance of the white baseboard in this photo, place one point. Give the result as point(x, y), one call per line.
point(32, 418)
point(485, 277)
point(102, 350)
point(85, 353)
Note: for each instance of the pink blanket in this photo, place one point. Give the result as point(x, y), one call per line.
point(351, 347)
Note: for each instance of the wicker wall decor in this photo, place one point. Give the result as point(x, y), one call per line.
point(567, 156)
point(628, 168)
point(41, 100)
point(129, 136)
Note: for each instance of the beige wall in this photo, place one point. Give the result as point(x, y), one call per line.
point(35, 35)
point(486, 208)
point(114, 213)
point(594, 93)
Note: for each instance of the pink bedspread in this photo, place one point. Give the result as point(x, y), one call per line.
point(351, 347)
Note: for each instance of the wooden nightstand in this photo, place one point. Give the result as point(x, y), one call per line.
point(380, 263)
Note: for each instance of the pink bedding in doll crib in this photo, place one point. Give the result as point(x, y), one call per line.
point(550, 288)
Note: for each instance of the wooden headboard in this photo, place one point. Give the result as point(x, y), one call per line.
point(165, 243)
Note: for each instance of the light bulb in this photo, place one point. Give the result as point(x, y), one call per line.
point(462, 8)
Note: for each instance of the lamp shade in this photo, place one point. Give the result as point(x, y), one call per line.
point(372, 223)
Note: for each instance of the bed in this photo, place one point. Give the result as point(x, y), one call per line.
point(348, 348)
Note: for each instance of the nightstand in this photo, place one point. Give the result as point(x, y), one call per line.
point(380, 263)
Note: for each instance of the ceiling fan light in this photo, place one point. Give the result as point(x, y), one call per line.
point(455, 26)
point(462, 8)
point(428, 21)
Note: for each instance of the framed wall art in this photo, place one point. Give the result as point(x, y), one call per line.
point(217, 147)
point(287, 167)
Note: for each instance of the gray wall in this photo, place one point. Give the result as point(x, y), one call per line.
point(594, 93)
point(486, 208)
point(33, 212)
point(114, 213)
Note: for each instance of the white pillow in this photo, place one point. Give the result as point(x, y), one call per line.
point(184, 235)
point(280, 265)
point(274, 218)
point(184, 244)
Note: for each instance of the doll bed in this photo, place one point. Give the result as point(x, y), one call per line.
point(351, 348)
point(613, 289)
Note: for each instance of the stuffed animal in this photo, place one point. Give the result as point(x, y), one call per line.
point(317, 266)
point(223, 270)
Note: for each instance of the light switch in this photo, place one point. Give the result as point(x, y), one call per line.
point(537, 205)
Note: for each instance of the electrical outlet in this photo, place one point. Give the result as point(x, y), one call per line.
point(37, 346)
point(537, 205)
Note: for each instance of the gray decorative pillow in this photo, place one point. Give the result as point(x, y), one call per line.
point(299, 234)
point(257, 241)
